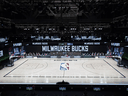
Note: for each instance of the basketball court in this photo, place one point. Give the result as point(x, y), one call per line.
point(72, 70)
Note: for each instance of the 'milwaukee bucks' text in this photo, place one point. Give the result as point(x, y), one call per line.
point(65, 48)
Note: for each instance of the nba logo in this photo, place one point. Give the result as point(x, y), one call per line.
point(64, 66)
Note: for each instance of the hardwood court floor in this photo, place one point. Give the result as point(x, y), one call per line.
point(81, 71)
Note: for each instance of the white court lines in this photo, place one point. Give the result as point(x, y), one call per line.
point(115, 69)
point(79, 76)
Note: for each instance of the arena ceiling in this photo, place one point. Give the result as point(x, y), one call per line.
point(68, 11)
point(83, 17)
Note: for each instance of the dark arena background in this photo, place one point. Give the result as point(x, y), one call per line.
point(63, 48)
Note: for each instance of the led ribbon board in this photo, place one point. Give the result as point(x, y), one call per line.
point(65, 48)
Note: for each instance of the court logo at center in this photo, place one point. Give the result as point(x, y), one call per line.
point(64, 66)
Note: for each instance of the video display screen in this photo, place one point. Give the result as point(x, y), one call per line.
point(17, 44)
point(76, 38)
point(62, 88)
point(74, 48)
point(115, 44)
point(29, 88)
point(2, 39)
point(126, 89)
point(69, 43)
point(126, 38)
point(1, 53)
point(4, 56)
point(55, 38)
point(90, 38)
point(97, 89)
point(17, 51)
point(61, 44)
point(115, 50)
